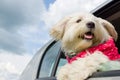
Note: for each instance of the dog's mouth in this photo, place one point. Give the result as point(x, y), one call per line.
point(88, 36)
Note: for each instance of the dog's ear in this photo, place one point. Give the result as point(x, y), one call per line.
point(110, 28)
point(57, 31)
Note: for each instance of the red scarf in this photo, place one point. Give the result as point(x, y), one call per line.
point(108, 48)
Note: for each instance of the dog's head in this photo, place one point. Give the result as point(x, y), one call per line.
point(81, 31)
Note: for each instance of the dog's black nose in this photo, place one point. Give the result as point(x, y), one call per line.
point(91, 25)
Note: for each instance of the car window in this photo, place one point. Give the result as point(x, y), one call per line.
point(62, 62)
point(49, 60)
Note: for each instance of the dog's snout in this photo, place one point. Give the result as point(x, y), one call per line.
point(90, 25)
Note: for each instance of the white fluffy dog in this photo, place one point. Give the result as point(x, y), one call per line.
point(88, 44)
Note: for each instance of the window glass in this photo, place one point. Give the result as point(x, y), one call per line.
point(49, 60)
point(62, 62)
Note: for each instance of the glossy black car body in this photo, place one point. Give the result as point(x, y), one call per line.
point(48, 59)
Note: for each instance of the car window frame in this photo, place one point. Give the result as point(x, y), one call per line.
point(55, 64)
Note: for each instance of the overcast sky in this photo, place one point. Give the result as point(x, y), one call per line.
point(24, 29)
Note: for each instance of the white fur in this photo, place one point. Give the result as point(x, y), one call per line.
point(70, 32)
point(82, 68)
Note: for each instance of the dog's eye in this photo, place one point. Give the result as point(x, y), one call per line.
point(78, 20)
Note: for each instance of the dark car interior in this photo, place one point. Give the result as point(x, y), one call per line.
point(112, 14)
point(116, 23)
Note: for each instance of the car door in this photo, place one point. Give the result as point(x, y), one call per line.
point(106, 75)
point(54, 59)
point(43, 65)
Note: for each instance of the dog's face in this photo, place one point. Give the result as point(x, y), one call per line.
point(81, 31)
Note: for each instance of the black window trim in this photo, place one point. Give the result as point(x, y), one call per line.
point(112, 73)
point(47, 78)
point(107, 10)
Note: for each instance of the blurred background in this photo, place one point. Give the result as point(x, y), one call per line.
point(24, 29)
